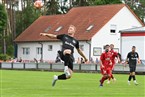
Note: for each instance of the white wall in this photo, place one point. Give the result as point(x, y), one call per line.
point(124, 19)
point(85, 51)
point(128, 42)
point(47, 55)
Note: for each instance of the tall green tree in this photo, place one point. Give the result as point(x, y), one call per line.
point(3, 19)
point(20, 16)
point(26, 16)
point(3, 23)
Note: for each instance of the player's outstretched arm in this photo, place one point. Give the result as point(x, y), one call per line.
point(119, 58)
point(126, 62)
point(48, 35)
point(138, 61)
point(101, 64)
point(82, 54)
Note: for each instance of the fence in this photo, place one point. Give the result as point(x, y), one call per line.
point(119, 68)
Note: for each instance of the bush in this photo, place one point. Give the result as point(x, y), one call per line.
point(10, 50)
point(4, 57)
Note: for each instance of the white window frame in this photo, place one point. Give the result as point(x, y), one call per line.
point(26, 50)
point(113, 27)
point(39, 50)
point(50, 47)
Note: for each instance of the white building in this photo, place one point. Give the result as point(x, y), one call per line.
point(133, 37)
point(96, 27)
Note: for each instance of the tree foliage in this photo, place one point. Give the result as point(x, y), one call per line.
point(76, 3)
point(138, 6)
point(3, 24)
point(81, 3)
point(104, 2)
point(3, 18)
point(26, 17)
point(20, 17)
point(52, 7)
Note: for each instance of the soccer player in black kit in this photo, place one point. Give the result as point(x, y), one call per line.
point(66, 54)
point(132, 59)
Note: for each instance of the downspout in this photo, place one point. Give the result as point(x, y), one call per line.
point(120, 43)
point(88, 42)
point(42, 51)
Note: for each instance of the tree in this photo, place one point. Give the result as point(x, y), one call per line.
point(3, 19)
point(80, 3)
point(66, 5)
point(15, 20)
point(26, 16)
point(52, 7)
point(3, 23)
point(138, 6)
point(139, 9)
point(103, 2)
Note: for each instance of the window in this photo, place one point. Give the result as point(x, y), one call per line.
point(26, 51)
point(97, 51)
point(39, 50)
point(58, 29)
point(47, 29)
point(113, 29)
point(50, 47)
point(90, 27)
point(82, 47)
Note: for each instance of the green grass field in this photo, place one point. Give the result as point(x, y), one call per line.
point(38, 84)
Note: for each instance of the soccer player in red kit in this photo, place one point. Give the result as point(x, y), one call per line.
point(106, 64)
point(114, 55)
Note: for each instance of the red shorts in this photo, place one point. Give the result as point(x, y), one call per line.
point(107, 71)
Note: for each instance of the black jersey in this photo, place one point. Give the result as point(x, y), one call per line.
point(68, 42)
point(132, 58)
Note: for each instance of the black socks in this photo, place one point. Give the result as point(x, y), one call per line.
point(62, 77)
point(130, 77)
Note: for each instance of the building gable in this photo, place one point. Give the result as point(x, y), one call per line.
point(82, 17)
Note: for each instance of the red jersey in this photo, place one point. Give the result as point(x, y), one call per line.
point(106, 59)
point(114, 54)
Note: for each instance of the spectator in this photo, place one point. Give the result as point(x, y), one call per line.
point(20, 60)
point(58, 59)
point(82, 61)
point(91, 60)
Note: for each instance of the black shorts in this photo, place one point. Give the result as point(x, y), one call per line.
point(70, 62)
point(132, 68)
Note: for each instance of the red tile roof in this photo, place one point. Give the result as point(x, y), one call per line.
point(81, 17)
